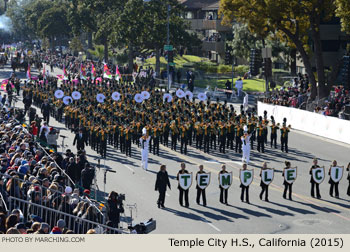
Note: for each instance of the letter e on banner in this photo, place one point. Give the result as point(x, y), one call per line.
point(290, 175)
point(203, 180)
point(185, 180)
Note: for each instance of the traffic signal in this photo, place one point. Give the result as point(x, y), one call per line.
point(346, 71)
point(267, 68)
point(255, 62)
point(228, 58)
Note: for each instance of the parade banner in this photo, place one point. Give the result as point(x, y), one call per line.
point(318, 174)
point(267, 176)
point(203, 180)
point(246, 177)
point(290, 175)
point(185, 180)
point(225, 180)
point(337, 173)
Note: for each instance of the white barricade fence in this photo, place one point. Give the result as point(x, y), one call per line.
point(314, 123)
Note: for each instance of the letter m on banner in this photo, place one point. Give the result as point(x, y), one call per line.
point(185, 180)
point(225, 180)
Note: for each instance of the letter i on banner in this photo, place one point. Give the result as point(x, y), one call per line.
point(185, 180)
point(337, 173)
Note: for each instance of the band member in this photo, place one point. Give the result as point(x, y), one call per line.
point(287, 186)
point(199, 190)
point(223, 191)
point(161, 183)
point(260, 136)
point(244, 188)
point(334, 185)
point(264, 187)
point(284, 137)
point(313, 182)
point(274, 129)
point(144, 140)
point(174, 136)
point(246, 146)
point(182, 191)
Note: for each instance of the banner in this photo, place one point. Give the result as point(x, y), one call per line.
point(225, 180)
point(337, 173)
point(185, 180)
point(246, 177)
point(290, 175)
point(318, 174)
point(267, 176)
point(203, 180)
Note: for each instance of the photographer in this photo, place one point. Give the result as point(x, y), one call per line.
point(114, 208)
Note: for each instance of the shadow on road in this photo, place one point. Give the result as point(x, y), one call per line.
point(294, 209)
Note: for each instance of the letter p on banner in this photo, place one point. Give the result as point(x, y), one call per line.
point(246, 177)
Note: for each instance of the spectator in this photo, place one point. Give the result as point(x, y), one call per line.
point(114, 208)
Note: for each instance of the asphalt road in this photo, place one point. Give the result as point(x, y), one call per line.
point(302, 215)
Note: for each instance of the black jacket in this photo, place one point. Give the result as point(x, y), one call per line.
point(80, 141)
point(45, 109)
point(162, 181)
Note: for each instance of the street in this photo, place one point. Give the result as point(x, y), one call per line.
point(302, 215)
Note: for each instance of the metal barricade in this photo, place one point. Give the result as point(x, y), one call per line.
point(56, 201)
point(3, 204)
point(51, 216)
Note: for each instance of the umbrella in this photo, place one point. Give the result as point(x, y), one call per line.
point(59, 94)
point(138, 98)
point(116, 96)
point(67, 100)
point(100, 98)
point(202, 96)
point(145, 95)
point(180, 93)
point(76, 95)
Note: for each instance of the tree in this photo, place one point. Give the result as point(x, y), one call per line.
point(293, 21)
point(343, 12)
point(155, 33)
point(53, 23)
point(130, 25)
point(16, 12)
point(33, 11)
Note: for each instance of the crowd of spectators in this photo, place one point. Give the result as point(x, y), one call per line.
point(297, 94)
point(36, 193)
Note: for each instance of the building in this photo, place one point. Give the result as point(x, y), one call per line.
point(205, 21)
